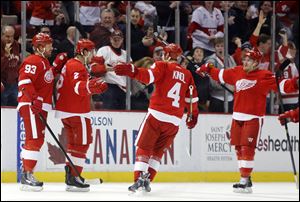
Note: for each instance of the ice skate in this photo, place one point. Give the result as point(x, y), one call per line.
point(75, 183)
point(29, 183)
point(244, 186)
point(142, 184)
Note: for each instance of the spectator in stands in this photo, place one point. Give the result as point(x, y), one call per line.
point(89, 14)
point(44, 12)
point(119, 8)
point(68, 6)
point(58, 31)
point(201, 83)
point(140, 42)
point(185, 11)
point(102, 31)
point(207, 24)
point(148, 11)
point(10, 61)
point(68, 44)
point(217, 93)
point(287, 12)
point(295, 31)
point(237, 22)
point(262, 43)
point(166, 18)
point(266, 8)
point(252, 11)
point(291, 100)
point(115, 96)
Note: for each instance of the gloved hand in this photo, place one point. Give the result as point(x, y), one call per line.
point(291, 115)
point(126, 69)
point(98, 60)
point(36, 105)
point(98, 68)
point(60, 61)
point(96, 86)
point(204, 69)
point(192, 123)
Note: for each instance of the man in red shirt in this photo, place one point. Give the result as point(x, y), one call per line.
point(171, 96)
point(74, 91)
point(251, 88)
point(35, 83)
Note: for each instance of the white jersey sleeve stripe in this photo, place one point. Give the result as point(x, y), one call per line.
point(221, 76)
point(281, 86)
point(25, 81)
point(151, 80)
point(76, 88)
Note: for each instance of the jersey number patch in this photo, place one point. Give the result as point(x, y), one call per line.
point(174, 93)
point(30, 69)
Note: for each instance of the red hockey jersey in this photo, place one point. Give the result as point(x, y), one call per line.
point(72, 96)
point(36, 77)
point(171, 93)
point(251, 90)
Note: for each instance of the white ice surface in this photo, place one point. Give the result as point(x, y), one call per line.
point(160, 191)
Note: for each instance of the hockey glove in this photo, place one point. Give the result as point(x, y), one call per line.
point(204, 69)
point(60, 61)
point(191, 123)
point(291, 115)
point(126, 69)
point(96, 86)
point(36, 105)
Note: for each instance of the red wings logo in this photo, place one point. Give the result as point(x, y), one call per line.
point(48, 77)
point(244, 84)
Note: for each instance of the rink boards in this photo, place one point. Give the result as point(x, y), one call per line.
point(111, 155)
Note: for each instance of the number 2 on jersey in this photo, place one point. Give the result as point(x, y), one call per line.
point(174, 93)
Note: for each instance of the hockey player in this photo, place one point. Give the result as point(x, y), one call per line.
point(167, 104)
point(35, 83)
point(74, 90)
point(251, 88)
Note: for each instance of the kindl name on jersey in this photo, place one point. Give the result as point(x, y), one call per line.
point(179, 76)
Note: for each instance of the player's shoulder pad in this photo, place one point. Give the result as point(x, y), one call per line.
point(33, 59)
point(74, 65)
point(38, 61)
point(160, 63)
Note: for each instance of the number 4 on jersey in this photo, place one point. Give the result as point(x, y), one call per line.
point(174, 93)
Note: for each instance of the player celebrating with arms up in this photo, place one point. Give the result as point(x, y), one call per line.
point(251, 88)
point(167, 104)
point(74, 90)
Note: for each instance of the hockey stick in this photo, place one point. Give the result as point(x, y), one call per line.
point(156, 35)
point(91, 181)
point(277, 75)
point(190, 117)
